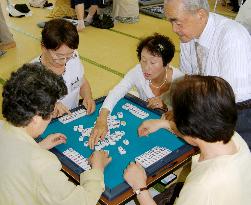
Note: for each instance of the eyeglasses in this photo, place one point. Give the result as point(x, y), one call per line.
point(55, 57)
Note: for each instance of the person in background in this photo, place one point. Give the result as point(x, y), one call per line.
point(6, 38)
point(31, 174)
point(244, 15)
point(152, 77)
point(213, 45)
point(80, 6)
point(59, 45)
point(205, 116)
point(125, 11)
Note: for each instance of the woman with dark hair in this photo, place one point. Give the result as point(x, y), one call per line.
point(31, 174)
point(205, 116)
point(59, 45)
point(152, 77)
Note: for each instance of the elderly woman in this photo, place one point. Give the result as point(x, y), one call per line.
point(152, 78)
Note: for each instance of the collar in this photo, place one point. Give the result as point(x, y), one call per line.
point(40, 60)
point(17, 132)
point(206, 37)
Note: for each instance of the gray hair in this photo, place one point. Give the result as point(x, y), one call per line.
point(193, 5)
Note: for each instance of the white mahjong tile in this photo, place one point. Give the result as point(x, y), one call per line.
point(80, 129)
point(120, 114)
point(83, 164)
point(81, 139)
point(66, 151)
point(121, 150)
point(75, 128)
point(102, 145)
point(126, 142)
point(98, 148)
point(112, 142)
point(106, 143)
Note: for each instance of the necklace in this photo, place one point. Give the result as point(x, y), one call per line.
point(158, 87)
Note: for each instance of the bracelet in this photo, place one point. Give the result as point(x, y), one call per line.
point(138, 191)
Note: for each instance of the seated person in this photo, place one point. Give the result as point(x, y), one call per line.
point(205, 116)
point(125, 11)
point(59, 43)
point(31, 174)
point(152, 77)
point(40, 3)
point(79, 6)
point(6, 38)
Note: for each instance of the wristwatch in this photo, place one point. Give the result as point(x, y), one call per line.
point(138, 191)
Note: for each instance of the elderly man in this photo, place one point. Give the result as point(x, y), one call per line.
point(217, 46)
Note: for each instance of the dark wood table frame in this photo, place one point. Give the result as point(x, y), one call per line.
point(128, 195)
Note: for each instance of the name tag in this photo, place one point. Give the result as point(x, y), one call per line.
point(75, 84)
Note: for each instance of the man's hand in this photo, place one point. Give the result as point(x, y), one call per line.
point(52, 140)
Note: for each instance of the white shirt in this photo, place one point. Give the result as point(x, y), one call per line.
point(134, 77)
point(227, 54)
point(223, 180)
point(73, 78)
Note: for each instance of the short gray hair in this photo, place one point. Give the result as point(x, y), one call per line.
point(193, 5)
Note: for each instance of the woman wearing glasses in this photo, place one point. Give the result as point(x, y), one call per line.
point(59, 43)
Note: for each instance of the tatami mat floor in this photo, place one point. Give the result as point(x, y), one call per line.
point(106, 54)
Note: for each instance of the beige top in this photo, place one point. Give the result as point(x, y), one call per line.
point(125, 8)
point(30, 175)
point(224, 180)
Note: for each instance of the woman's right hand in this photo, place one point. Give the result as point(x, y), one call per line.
point(99, 131)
